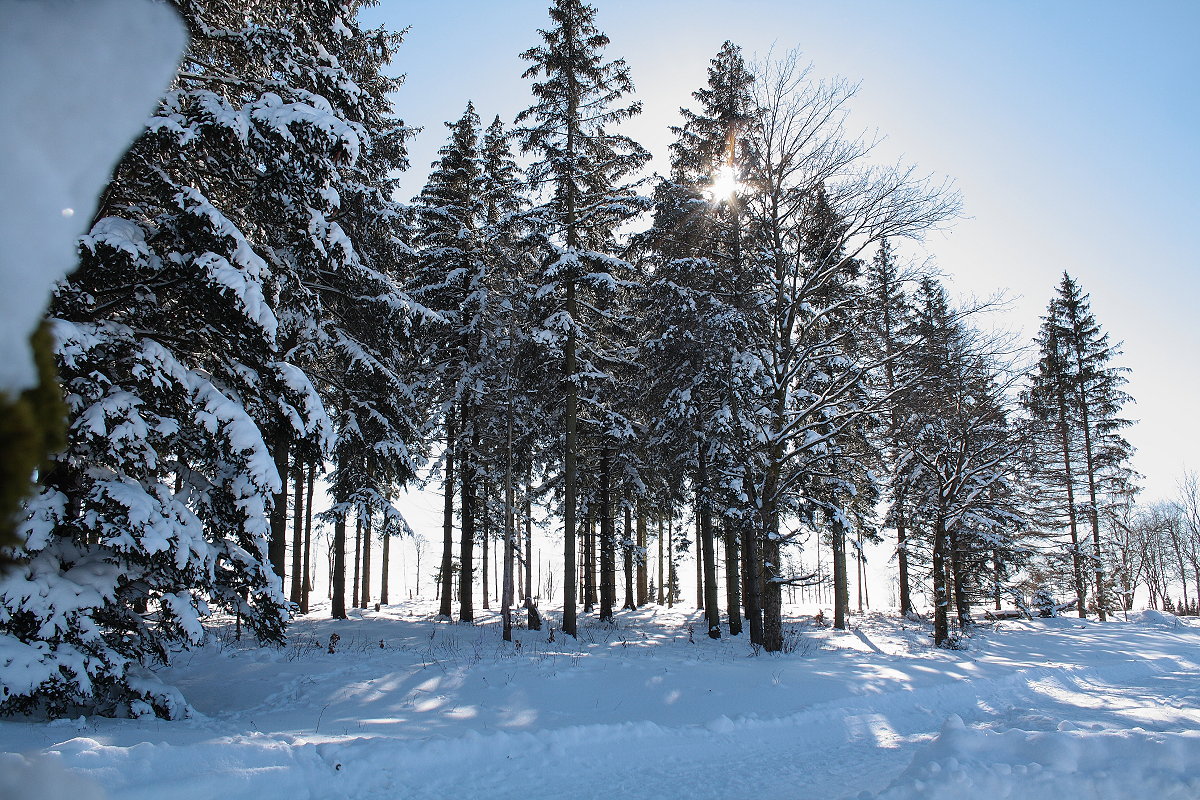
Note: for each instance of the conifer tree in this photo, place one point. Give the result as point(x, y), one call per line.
point(580, 165)
point(1075, 400)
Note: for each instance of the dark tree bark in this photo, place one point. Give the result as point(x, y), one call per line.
point(445, 608)
point(733, 581)
point(366, 561)
point(627, 546)
point(608, 567)
point(296, 591)
point(308, 515)
point(384, 568)
point(466, 544)
point(712, 607)
point(643, 589)
point(338, 580)
point(277, 546)
point(941, 596)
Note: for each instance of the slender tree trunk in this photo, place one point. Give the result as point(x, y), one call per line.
point(733, 580)
point(308, 516)
point(487, 535)
point(534, 619)
point(385, 569)
point(608, 567)
point(277, 546)
point(962, 599)
point(841, 589)
point(447, 569)
point(712, 606)
point(366, 562)
point(941, 598)
point(338, 582)
point(510, 532)
point(858, 561)
point(997, 577)
point(466, 544)
point(296, 590)
point(627, 552)
point(642, 555)
point(672, 577)
point(1093, 507)
point(589, 561)
point(1068, 473)
point(354, 591)
point(660, 561)
point(752, 569)
point(697, 550)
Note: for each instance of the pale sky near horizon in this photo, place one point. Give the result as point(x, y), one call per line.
point(1070, 128)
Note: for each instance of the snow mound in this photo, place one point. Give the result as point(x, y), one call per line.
point(1050, 765)
point(1156, 618)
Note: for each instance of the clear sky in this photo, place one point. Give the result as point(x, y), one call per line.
point(1070, 128)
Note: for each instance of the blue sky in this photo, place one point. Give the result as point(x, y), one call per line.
point(1070, 128)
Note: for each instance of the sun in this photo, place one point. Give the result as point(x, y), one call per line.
point(724, 184)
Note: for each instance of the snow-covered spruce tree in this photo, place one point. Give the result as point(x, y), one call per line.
point(364, 348)
point(696, 339)
point(1075, 401)
point(888, 318)
point(959, 452)
point(180, 340)
point(471, 270)
point(580, 167)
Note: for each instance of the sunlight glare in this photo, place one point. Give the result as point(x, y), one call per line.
point(724, 185)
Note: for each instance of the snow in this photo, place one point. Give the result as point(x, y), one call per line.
point(411, 707)
point(65, 121)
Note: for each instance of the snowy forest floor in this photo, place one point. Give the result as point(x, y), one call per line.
point(408, 707)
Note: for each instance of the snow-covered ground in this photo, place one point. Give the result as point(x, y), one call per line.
point(407, 707)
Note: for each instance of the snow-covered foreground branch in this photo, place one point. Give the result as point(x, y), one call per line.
point(408, 707)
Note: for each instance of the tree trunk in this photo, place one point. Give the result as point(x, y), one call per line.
point(534, 619)
point(672, 576)
point(308, 516)
point(296, 591)
point(904, 587)
point(277, 546)
point(338, 582)
point(841, 587)
point(447, 569)
point(660, 561)
point(752, 569)
point(997, 577)
point(608, 566)
point(589, 561)
point(733, 580)
point(366, 562)
point(385, 567)
point(1076, 554)
point(627, 551)
point(510, 533)
point(962, 600)
point(642, 555)
point(712, 606)
point(466, 544)
point(941, 599)
point(486, 518)
point(357, 558)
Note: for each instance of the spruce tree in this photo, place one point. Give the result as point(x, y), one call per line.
point(580, 165)
point(1076, 401)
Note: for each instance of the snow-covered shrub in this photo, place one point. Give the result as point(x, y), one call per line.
point(1045, 604)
